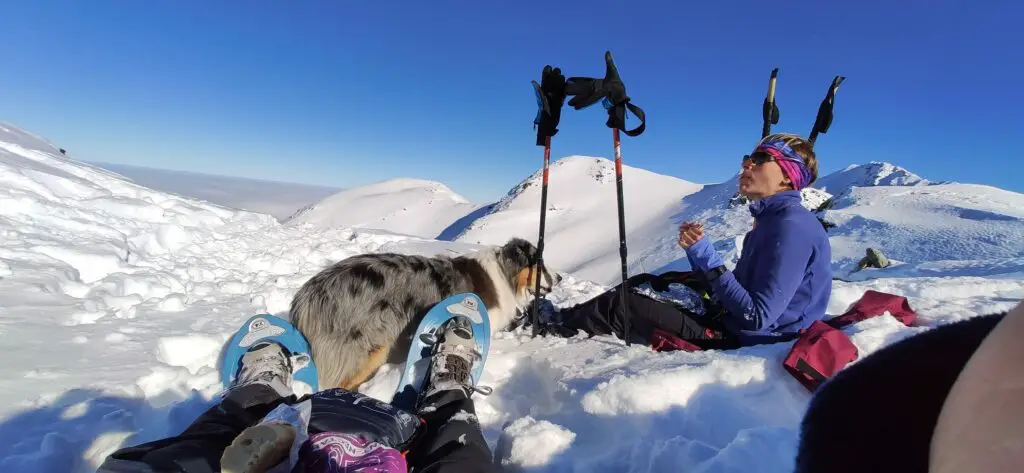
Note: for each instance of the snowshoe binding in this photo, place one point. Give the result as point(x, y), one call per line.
point(264, 328)
point(449, 350)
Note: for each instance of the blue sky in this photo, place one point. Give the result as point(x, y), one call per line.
point(345, 93)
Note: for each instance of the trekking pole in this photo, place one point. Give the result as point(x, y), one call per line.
point(610, 90)
point(824, 119)
point(770, 111)
point(550, 98)
point(622, 233)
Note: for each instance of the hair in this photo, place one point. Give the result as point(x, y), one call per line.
point(802, 147)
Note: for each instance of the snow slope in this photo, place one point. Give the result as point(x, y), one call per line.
point(582, 234)
point(115, 301)
point(407, 206)
point(280, 199)
point(916, 224)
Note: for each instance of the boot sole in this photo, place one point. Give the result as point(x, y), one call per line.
point(258, 449)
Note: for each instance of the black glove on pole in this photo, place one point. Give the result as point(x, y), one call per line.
point(611, 91)
point(550, 98)
point(824, 119)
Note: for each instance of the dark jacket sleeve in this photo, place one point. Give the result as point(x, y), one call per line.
point(779, 271)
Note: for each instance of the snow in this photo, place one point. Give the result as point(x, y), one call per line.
point(116, 299)
point(408, 206)
point(918, 224)
point(534, 443)
point(875, 173)
point(279, 199)
point(582, 233)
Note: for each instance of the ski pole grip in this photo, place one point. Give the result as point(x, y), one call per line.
point(771, 84)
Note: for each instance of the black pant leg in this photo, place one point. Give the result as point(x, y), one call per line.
point(198, 449)
point(453, 442)
point(602, 315)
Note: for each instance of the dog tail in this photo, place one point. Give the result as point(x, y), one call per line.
point(339, 352)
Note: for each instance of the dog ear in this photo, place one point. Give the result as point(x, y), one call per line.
point(522, 252)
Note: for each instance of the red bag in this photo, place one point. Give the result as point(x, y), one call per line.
point(874, 303)
point(819, 353)
point(662, 340)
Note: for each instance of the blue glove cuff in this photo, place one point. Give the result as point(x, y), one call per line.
point(703, 254)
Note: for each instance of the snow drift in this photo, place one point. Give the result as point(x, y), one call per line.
point(407, 206)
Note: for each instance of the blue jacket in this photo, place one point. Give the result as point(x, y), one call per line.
point(783, 278)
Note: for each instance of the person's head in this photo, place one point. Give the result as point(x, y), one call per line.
point(780, 162)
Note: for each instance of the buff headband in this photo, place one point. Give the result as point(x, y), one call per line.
point(791, 163)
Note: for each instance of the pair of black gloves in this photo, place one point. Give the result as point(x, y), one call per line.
point(586, 91)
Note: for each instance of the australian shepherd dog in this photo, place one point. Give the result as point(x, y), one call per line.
point(360, 312)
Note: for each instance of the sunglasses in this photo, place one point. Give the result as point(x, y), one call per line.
point(758, 158)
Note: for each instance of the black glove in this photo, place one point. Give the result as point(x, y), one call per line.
point(550, 98)
point(587, 91)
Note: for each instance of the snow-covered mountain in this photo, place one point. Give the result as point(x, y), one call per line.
point(115, 301)
point(871, 174)
point(582, 233)
point(408, 206)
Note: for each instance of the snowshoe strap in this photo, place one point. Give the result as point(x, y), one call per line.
point(550, 98)
point(824, 119)
point(611, 91)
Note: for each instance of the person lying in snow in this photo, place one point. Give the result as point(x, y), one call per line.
point(781, 283)
point(348, 431)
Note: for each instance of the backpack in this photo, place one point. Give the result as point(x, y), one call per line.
point(819, 353)
point(823, 350)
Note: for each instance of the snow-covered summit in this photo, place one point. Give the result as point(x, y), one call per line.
point(874, 173)
point(582, 216)
point(409, 206)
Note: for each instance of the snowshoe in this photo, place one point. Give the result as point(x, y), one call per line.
point(269, 328)
point(472, 315)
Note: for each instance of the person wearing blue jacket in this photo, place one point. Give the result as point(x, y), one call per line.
point(780, 285)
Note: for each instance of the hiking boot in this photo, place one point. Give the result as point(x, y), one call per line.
point(549, 320)
point(452, 362)
point(546, 313)
point(266, 363)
